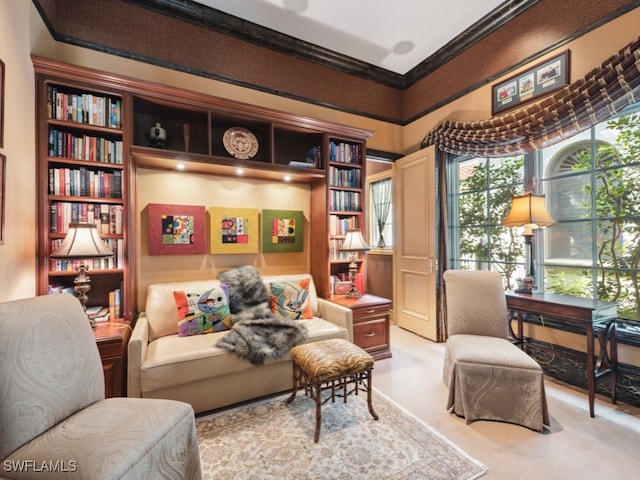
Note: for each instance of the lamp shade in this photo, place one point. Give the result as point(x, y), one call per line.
point(353, 242)
point(82, 241)
point(528, 210)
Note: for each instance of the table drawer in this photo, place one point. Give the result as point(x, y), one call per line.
point(364, 314)
point(371, 334)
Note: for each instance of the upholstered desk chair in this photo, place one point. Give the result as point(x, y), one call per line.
point(54, 420)
point(488, 377)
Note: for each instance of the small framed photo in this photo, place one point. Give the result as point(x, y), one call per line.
point(176, 229)
point(541, 79)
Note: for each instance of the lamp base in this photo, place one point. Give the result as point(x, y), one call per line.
point(82, 284)
point(353, 293)
point(527, 286)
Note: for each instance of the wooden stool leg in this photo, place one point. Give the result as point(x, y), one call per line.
point(369, 402)
point(294, 388)
point(318, 391)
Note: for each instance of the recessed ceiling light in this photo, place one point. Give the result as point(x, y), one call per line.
point(402, 48)
point(295, 6)
point(239, 171)
point(287, 178)
point(180, 166)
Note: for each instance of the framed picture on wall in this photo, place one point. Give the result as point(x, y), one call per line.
point(541, 79)
point(282, 231)
point(3, 161)
point(1, 104)
point(176, 229)
point(233, 230)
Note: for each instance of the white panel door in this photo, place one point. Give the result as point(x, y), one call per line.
point(414, 262)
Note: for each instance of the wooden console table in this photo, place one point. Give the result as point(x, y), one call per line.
point(584, 312)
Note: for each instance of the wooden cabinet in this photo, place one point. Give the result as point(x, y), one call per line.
point(370, 323)
point(112, 338)
point(82, 177)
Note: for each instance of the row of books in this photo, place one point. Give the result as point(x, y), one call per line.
point(344, 177)
point(82, 182)
point(116, 245)
point(345, 153)
point(344, 201)
point(107, 217)
point(85, 147)
point(339, 225)
point(84, 108)
point(103, 313)
point(334, 250)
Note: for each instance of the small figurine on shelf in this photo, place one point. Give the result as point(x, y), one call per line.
point(157, 136)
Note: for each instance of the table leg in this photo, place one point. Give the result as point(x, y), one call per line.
point(591, 373)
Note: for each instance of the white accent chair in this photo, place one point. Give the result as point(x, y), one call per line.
point(489, 378)
point(54, 420)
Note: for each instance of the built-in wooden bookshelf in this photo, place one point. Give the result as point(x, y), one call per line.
point(82, 177)
point(196, 132)
point(345, 207)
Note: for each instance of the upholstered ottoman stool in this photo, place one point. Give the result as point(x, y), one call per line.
point(335, 365)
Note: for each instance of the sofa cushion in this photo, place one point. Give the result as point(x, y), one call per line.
point(161, 307)
point(173, 360)
point(312, 297)
point(202, 312)
point(291, 299)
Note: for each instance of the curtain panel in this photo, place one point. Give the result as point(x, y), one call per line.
point(596, 97)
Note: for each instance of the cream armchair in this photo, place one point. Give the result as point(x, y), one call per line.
point(488, 377)
point(54, 420)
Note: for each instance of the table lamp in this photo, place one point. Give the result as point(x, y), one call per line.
point(354, 243)
point(530, 212)
point(83, 242)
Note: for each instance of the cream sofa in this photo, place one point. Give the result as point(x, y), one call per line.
point(162, 364)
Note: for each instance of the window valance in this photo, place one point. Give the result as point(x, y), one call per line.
point(597, 96)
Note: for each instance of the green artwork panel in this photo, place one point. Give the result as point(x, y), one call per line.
point(282, 231)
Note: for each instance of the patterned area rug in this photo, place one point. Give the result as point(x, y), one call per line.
point(271, 440)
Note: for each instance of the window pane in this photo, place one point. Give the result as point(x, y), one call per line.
point(569, 243)
point(472, 175)
point(575, 282)
point(506, 171)
point(473, 208)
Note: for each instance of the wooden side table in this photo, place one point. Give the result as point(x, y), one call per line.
point(583, 312)
point(370, 323)
point(112, 338)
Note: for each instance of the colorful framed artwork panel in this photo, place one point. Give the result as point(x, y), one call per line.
point(177, 229)
point(282, 231)
point(233, 230)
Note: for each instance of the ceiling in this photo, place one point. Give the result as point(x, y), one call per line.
point(395, 39)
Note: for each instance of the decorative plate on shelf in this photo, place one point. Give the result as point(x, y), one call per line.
point(240, 143)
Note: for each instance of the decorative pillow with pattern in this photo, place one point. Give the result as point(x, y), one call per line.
point(203, 311)
point(290, 299)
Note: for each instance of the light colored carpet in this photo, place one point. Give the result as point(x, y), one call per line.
point(271, 440)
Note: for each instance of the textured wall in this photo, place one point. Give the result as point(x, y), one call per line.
point(127, 29)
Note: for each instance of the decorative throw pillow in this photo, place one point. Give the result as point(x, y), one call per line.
point(203, 312)
point(291, 299)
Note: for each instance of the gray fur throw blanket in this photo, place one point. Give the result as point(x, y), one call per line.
point(257, 334)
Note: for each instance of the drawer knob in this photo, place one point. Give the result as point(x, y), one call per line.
point(370, 334)
point(369, 311)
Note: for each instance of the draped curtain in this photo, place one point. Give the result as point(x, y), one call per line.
point(599, 95)
point(381, 197)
